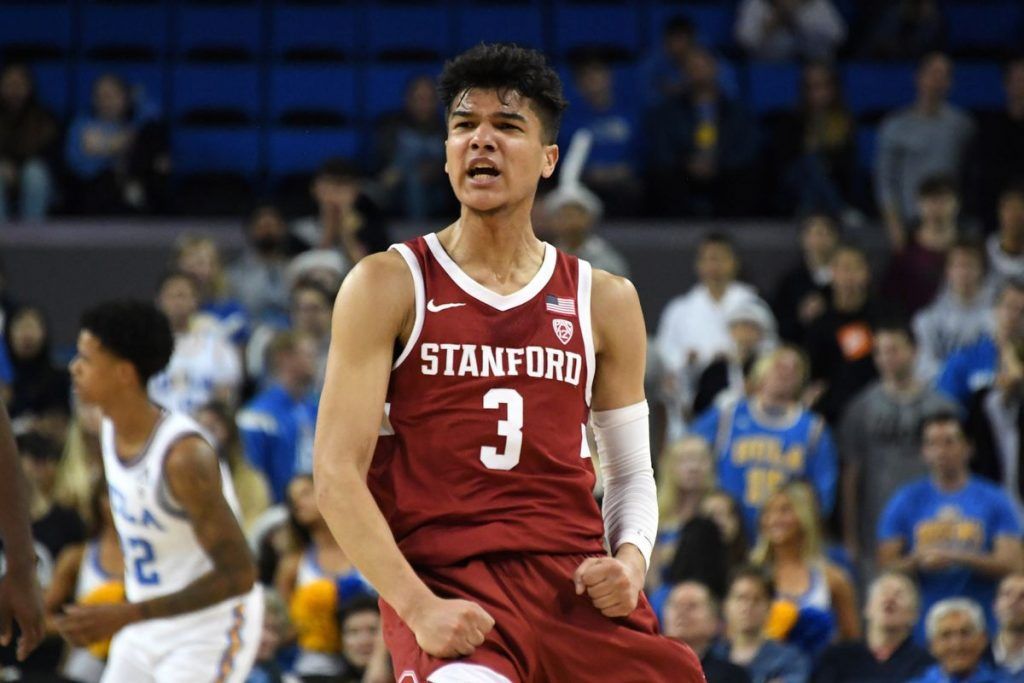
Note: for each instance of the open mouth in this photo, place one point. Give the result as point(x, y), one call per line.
point(484, 171)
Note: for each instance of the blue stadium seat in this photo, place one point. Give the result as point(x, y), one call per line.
point(520, 24)
point(978, 86)
point(124, 32)
point(714, 22)
point(33, 31)
point(145, 80)
point(230, 32)
point(216, 150)
point(872, 88)
point(405, 32)
point(773, 87)
point(612, 28)
point(294, 151)
point(385, 85)
point(315, 33)
point(867, 144)
point(995, 24)
point(52, 86)
point(328, 91)
point(227, 94)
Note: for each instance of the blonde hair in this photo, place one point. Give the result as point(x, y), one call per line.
point(805, 505)
point(668, 493)
point(192, 241)
point(77, 472)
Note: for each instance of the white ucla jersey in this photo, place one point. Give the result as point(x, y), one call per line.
point(161, 552)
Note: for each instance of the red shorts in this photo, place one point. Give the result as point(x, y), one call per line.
point(543, 631)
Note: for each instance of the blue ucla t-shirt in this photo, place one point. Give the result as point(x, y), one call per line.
point(758, 455)
point(970, 519)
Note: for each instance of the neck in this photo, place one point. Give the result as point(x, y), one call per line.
point(768, 402)
point(900, 384)
point(950, 481)
point(133, 416)
point(850, 300)
point(787, 553)
point(180, 325)
point(816, 262)
point(717, 289)
point(885, 639)
point(700, 647)
point(747, 640)
point(929, 106)
point(499, 243)
point(293, 387)
point(1010, 244)
point(967, 292)
point(936, 236)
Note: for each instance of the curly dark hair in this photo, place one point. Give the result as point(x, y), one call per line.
point(506, 68)
point(133, 330)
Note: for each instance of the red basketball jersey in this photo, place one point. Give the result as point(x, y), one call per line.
point(483, 449)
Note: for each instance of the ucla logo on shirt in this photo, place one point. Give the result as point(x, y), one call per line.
point(949, 528)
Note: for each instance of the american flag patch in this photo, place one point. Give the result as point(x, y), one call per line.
point(561, 305)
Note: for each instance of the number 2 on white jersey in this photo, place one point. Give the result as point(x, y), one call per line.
point(511, 428)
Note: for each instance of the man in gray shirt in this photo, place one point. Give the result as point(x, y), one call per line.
point(930, 137)
point(878, 438)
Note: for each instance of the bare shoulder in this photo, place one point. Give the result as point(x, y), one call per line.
point(611, 291)
point(615, 307)
point(192, 469)
point(385, 273)
point(838, 579)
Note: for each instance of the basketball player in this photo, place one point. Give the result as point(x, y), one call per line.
point(20, 599)
point(194, 613)
point(477, 355)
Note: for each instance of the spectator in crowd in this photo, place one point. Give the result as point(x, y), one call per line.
point(348, 221)
point(928, 138)
point(361, 642)
point(814, 599)
point(956, 638)
point(957, 533)
point(663, 72)
point(81, 464)
point(725, 379)
point(888, 654)
point(410, 146)
point(199, 256)
point(204, 365)
point(312, 580)
point(783, 30)
point(572, 211)
point(28, 135)
point(725, 511)
point(277, 424)
point(803, 290)
point(256, 278)
point(612, 168)
point(906, 29)
point(878, 440)
point(816, 147)
point(89, 573)
point(693, 330)
point(915, 269)
point(692, 616)
point(839, 342)
point(54, 527)
point(41, 390)
point(769, 439)
point(994, 426)
point(310, 314)
point(276, 631)
point(689, 544)
point(1002, 140)
point(1007, 651)
point(974, 367)
point(746, 611)
point(1005, 248)
point(703, 148)
point(117, 154)
point(251, 487)
point(960, 315)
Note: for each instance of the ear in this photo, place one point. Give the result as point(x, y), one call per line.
point(126, 374)
point(550, 160)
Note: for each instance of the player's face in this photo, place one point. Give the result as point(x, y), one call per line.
point(1009, 605)
point(746, 606)
point(93, 370)
point(891, 604)
point(495, 152)
point(358, 636)
point(957, 644)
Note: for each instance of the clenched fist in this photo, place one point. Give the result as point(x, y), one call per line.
point(613, 585)
point(450, 628)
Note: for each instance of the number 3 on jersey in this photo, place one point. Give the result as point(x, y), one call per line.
point(511, 428)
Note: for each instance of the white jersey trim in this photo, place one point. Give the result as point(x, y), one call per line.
point(418, 287)
point(462, 672)
point(583, 301)
point(502, 302)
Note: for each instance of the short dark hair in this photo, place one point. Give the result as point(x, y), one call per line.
point(506, 68)
point(896, 325)
point(37, 446)
point(937, 185)
point(1013, 189)
point(756, 574)
point(716, 237)
point(136, 331)
point(174, 274)
point(306, 283)
point(942, 416)
point(339, 169)
point(971, 245)
point(679, 24)
point(355, 605)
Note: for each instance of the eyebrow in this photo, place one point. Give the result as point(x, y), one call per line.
point(514, 116)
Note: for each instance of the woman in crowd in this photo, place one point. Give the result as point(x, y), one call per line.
point(28, 133)
point(815, 600)
point(41, 389)
point(725, 512)
point(199, 256)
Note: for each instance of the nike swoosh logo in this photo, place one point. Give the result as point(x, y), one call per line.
point(437, 308)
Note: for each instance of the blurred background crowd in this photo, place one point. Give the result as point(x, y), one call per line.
point(837, 430)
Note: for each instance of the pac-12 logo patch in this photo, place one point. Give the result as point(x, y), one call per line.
point(563, 330)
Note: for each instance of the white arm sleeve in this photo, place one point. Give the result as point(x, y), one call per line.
point(630, 496)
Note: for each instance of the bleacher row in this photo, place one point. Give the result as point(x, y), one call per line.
point(274, 86)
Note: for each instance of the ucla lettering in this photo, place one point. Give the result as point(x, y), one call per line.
point(143, 518)
point(472, 360)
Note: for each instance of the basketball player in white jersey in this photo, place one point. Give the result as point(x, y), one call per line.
point(193, 611)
